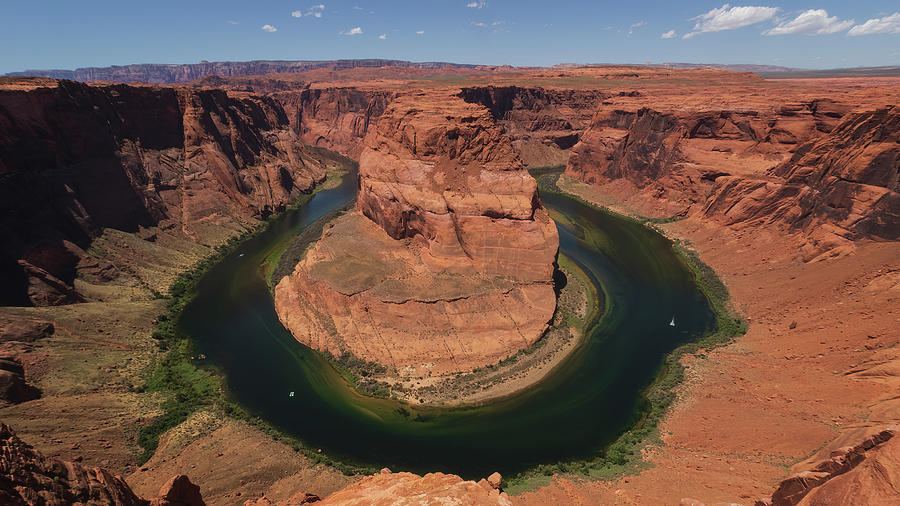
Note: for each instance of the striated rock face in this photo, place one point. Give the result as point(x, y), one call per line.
point(76, 159)
point(811, 167)
point(677, 155)
point(334, 118)
point(867, 473)
point(845, 184)
point(447, 265)
point(543, 124)
point(29, 478)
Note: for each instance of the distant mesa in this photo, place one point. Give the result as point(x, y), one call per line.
point(169, 73)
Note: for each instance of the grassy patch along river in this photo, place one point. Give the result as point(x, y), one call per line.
point(590, 414)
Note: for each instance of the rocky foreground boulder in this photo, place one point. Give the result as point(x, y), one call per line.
point(401, 489)
point(447, 263)
point(29, 478)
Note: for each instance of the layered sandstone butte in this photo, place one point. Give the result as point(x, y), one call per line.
point(78, 159)
point(446, 265)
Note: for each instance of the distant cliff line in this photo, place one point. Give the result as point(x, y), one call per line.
point(165, 73)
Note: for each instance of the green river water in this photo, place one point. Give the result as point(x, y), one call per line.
point(590, 399)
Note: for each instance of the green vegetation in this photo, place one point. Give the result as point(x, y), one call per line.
point(358, 374)
point(185, 385)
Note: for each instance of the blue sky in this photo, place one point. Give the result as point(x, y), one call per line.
point(812, 34)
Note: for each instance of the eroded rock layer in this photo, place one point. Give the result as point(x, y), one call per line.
point(447, 265)
point(810, 167)
point(78, 159)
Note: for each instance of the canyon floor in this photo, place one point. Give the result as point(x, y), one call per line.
point(819, 368)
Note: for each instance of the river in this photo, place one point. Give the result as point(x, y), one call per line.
point(591, 398)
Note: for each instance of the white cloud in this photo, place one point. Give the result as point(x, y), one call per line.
point(314, 11)
point(357, 8)
point(233, 22)
point(727, 17)
point(669, 35)
point(353, 31)
point(420, 32)
point(269, 28)
point(383, 36)
point(636, 25)
point(476, 5)
point(479, 24)
point(887, 24)
point(813, 22)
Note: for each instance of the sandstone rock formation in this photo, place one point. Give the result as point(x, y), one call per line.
point(840, 187)
point(76, 159)
point(13, 387)
point(399, 489)
point(29, 478)
point(868, 473)
point(334, 118)
point(542, 124)
point(453, 268)
point(806, 167)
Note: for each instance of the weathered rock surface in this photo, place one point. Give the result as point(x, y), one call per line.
point(801, 167)
point(838, 188)
point(868, 473)
point(334, 118)
point(398, 489)
point(453, 268)
point(76, 159)
point(29, 478)
point(13, 387)
point(542, 124)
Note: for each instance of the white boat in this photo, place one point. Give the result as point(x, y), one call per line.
point(672, 323)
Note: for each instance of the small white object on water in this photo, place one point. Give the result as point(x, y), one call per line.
point(672, 323)
point(241, 255)
point(291, 394)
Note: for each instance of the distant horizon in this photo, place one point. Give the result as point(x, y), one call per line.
point(452, 63)
point(826, 34)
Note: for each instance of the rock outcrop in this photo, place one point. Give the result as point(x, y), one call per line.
point(334, 118)
point(447, 265)
point(542, 124)
point(29, 478)
point(810, 167)
point(13, 387)
point(76, 159)
point(388, 488)
point(867, 473)
point(838, 188)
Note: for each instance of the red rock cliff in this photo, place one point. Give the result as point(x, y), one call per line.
point(76, 159)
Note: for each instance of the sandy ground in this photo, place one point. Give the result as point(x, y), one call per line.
point(819, 364)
